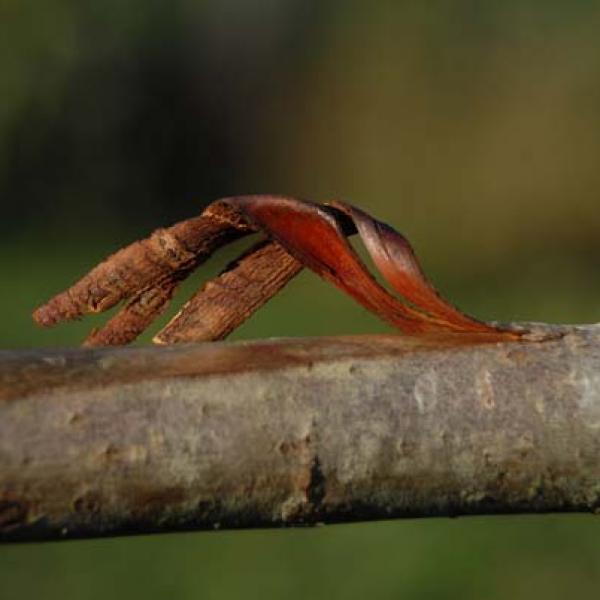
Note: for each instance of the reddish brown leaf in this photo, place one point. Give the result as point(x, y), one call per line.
point(395, 258)
point(314, 234)
point(311, 234)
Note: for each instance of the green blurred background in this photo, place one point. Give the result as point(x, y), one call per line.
point(473, 127)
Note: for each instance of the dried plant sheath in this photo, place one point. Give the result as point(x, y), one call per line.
point(313, 236)
point(224, 303)
point(303, 234)
point(396, 260)
point(317, 239)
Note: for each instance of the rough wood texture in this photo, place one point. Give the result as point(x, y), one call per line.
point(283, 432)
point(225, 302)
point(166, 257)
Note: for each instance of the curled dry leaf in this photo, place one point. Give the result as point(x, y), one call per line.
point(301, 234)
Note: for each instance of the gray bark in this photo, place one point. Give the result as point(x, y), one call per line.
point(286, 432)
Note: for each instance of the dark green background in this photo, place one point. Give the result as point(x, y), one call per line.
point(473, 127)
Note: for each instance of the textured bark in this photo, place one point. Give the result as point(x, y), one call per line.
point(283, 432)
point(150, 265)
point(224, 303)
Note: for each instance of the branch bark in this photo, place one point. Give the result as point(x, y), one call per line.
point(282, 432)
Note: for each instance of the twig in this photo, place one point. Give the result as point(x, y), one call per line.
point(285, 432)
point(224, 303)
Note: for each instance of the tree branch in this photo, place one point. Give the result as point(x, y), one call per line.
point(284, 432)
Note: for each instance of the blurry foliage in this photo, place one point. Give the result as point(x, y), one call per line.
point(472, 127)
